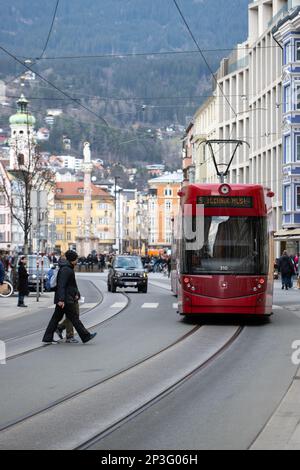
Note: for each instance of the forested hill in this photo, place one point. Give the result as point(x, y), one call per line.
point(105, 26)
point(171, 86)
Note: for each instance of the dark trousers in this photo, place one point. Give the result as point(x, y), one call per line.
point(67, 325)
point(71, 313)
point(21, 299)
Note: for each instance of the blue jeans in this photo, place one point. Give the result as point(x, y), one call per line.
point(21, 299)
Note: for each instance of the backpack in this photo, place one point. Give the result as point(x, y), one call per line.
point(53, 280)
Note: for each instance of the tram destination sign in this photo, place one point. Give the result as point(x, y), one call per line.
point(235, 202)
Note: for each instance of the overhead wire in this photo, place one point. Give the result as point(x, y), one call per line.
point(50, 31)
point(54, 86)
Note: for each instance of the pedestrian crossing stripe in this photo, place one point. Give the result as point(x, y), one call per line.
point(119, 305)
point(175, 306)
point(146, 305)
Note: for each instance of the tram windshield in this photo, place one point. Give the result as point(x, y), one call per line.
point(232, 245)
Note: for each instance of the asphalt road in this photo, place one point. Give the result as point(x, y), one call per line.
point(224, 406)
point(45, 376)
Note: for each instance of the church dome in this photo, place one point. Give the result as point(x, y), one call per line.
point(22, 117)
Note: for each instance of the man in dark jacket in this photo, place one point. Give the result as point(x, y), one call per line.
point(2, 271)
point(66, 298)
point(287, 270)
point(22, 281)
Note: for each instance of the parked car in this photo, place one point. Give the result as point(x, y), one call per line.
point(36, 271)
point(127, 271)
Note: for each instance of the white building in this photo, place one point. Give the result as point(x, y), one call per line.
point(251, 110)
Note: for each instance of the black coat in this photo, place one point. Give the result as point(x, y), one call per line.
point(23, 280)
point(66, 287)
point(286, 266)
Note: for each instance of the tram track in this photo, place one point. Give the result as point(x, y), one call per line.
point(96, 384)
point(30, 422)
point(96, 439)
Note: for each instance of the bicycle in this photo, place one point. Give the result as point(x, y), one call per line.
point(6, 289)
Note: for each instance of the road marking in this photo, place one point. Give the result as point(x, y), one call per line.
point(175, 306)
point(277, 307)
point(150, 305)
point(119, 305)
point(87, 305)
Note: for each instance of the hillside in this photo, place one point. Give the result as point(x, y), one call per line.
point(131, 92)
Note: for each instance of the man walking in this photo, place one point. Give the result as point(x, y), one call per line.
point(66, 300)
point(286, 269)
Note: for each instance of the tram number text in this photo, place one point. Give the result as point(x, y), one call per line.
point(171, 459)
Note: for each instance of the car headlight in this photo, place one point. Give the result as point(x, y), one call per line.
point(118, 274)
point(33, 276)
point(145, 275)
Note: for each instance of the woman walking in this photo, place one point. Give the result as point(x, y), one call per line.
point(22, 281)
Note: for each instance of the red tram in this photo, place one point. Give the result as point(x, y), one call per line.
point(231, 271)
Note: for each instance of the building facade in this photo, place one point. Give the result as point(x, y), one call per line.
point(249, 102)
point(163, 207)
point(69, 217)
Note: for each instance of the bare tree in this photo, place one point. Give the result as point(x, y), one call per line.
point(29, 174)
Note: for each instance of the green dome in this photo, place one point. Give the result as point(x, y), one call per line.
point(22, 119)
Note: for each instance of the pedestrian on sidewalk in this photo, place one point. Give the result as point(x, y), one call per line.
point(66, 300)
point(286, 269)
point(22, 281)
point(2, 271)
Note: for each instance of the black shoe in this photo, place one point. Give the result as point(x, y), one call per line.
point(22, 305)
point(59, 333)
point(282, 288)
point(50, 342)
point(90, 338)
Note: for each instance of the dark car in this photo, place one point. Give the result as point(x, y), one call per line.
point(127, 271)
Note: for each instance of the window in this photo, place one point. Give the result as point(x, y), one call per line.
point(59, 236)
point(2, 201)
point(59, 205)
point(69, 236)
point(297, 104)
point(168, 206)
point(288, 53)
point(79, 207)
point(69, 207)
point(288, 202)
point(297, 54)
point(287, 98)
point(298, 148)
point(168, 192)
point(69, 221)
point(236, 245)
point(287, 149)
point(298, 198)
point(2, 219)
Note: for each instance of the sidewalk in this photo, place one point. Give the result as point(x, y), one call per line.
point(9, 309)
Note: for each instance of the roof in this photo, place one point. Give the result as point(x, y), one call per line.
point(168, 178)
point(75, 189)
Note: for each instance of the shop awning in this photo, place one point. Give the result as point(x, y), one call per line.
point(287, 234)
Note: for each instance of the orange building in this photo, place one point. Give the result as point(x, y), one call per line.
point(163, 206)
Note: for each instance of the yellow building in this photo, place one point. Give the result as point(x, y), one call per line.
point(69, 217)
